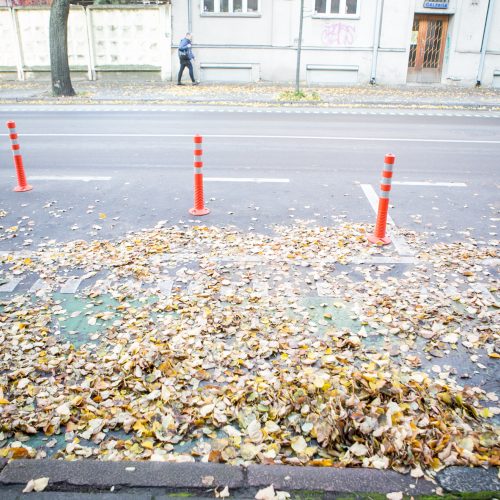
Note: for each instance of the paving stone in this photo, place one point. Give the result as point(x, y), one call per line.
point(103, 475)
point(468, 479)
point(288, 478)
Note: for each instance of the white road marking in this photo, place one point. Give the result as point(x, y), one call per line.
point(39, 287)
point(10, 286)
point(399, 243)
point(71, 285)
point(82, 178)
point(490, 262)
point(258, 180)
point(228, 109)
point(273, 137)
point(425, 183)
point(481, 288)
point(261, 287)
point(15, 254)
point(324, 289)
point(165, 286)
point(239, 258)
point(384, 260)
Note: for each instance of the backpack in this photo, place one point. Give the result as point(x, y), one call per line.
point(184, 53)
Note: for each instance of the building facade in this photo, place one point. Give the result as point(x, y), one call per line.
point(392, 42)
point(344, 41)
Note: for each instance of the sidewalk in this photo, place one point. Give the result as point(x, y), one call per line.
point(261, 94)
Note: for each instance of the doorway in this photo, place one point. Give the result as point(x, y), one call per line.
point(425, 63)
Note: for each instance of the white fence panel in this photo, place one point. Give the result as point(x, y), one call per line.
point(34, 32)
point(126, 37)
point(8, 53)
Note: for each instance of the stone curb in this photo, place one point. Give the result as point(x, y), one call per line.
point(345, 480)
point(89, 475)
point(457, 479)
point(93, 476)
point(480, 106)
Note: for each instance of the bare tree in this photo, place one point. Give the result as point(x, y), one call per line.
point(58, 35)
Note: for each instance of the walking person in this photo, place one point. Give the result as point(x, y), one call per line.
point(186, 58)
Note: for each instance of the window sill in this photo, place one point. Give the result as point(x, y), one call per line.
point(336, 16)
point(231, 14)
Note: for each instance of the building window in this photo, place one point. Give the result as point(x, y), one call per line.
point(230, 6)
point(336, 7)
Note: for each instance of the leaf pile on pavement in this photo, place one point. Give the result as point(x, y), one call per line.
point(220, 371)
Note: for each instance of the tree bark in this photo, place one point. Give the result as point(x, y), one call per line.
point(58, 35)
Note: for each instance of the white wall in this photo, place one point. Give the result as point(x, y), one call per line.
point(466, 35)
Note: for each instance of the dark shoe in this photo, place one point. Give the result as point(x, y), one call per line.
point(179, 83)
point(196, 83)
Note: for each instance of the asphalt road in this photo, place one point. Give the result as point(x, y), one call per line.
point(324, 157)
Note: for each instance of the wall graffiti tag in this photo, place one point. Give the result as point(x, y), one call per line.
point(338, 34)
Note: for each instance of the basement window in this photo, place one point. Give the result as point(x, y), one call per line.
point(335, 8)
point(231, 7)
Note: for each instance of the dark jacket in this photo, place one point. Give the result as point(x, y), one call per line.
point(185, 51)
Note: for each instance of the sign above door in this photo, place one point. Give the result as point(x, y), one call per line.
point(436, 5)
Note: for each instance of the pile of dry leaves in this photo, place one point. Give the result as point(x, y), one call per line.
point(220, 370)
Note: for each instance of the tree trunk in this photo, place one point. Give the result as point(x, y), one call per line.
point(58, 34)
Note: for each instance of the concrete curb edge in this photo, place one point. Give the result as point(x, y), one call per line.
point(92, 475)
point(410, 105)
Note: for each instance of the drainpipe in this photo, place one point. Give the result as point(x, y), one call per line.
point(484, 45)
point(190, 17)
point(376, 39)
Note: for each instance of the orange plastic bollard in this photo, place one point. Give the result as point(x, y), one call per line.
point(199, 201)
point(22, 184)
point(379, 237)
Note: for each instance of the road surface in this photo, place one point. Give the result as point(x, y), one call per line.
point(262, 167)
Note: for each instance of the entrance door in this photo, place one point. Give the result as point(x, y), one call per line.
point(427, 48)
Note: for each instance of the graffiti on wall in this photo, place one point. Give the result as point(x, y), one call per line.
point(338, 34)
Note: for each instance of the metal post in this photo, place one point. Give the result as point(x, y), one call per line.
point(486, 36)
point(299, 47)
point(376, 39)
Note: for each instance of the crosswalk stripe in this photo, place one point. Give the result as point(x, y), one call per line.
point(40, 285)
point(10, 286)
point(71, 285)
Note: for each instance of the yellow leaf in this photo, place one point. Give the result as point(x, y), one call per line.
point(3, 401)
point(148, 445)
point(486, 413)
point(102, 216)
